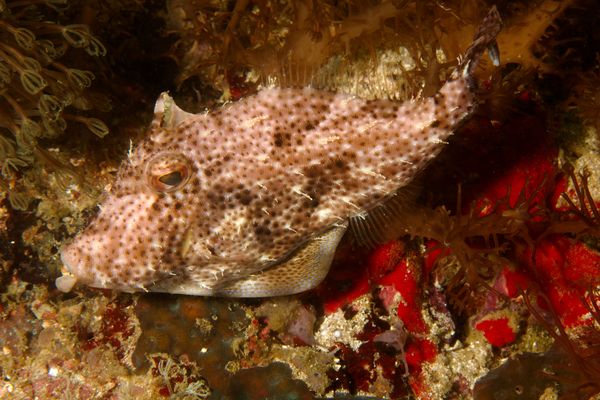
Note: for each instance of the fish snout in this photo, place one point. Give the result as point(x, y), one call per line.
point(70, 256)
point(85, 262)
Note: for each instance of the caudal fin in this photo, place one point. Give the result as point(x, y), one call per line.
point(484, 39)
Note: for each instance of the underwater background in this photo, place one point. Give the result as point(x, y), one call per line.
point(494, 292)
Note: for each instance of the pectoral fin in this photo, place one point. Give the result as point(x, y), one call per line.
point(303, 271)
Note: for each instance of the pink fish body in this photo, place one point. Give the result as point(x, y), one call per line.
point(252, 199)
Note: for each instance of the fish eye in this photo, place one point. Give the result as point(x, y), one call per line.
point(172, 178)
point(168, 172)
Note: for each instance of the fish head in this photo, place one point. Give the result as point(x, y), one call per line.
point(142, 234)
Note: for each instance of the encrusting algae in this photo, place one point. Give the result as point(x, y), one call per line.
point(485, 262)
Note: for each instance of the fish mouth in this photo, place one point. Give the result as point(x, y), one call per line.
point(65, 282)
point(71, 271)
point(67, 256)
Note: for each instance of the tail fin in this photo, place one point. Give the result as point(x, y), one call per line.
point(484, 39)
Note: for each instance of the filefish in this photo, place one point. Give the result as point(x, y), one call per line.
point(252, 199)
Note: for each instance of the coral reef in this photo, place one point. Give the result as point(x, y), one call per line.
point(491, 276)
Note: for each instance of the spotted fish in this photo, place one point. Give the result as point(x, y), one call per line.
point(252, 199)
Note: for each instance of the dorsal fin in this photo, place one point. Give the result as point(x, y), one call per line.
point(167, 114)
point(385, 220)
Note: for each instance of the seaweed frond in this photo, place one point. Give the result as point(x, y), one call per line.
point(581, 380)
point(586, 208)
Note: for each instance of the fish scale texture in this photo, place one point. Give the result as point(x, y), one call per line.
point(266, 174)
